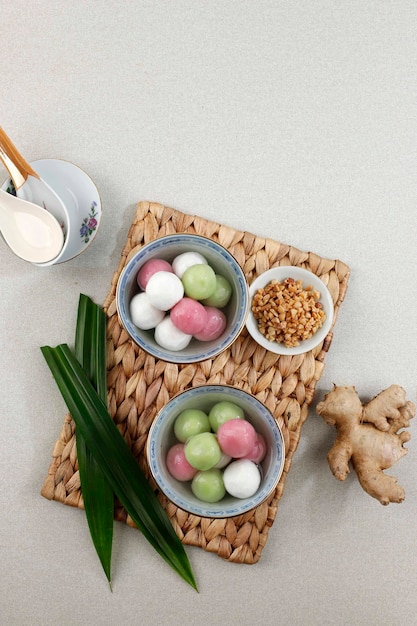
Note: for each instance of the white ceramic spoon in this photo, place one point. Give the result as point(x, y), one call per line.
point(28, 184)
point(29, 230)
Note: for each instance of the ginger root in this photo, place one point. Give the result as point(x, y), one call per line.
point(368, 437)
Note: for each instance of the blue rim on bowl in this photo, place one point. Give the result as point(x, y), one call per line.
point(222, 262)
point(180, 493)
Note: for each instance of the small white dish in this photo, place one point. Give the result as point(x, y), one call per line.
point(81, 199)
point(308, 278)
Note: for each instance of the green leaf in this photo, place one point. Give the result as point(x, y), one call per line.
point(90, 343)
point(113, 455)
point(90, 351)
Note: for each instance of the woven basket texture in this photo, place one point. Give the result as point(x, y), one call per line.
point(139, 385)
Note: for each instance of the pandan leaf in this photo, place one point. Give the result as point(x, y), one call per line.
point(115, 458)
point(98, 497)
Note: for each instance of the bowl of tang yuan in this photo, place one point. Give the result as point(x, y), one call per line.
point(182, 298)
point(215, 451)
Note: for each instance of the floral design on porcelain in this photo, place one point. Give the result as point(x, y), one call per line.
point(89, 224)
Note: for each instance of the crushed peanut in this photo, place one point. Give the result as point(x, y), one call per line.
point(288, 313)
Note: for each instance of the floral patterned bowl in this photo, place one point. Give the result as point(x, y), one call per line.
point(81, 199)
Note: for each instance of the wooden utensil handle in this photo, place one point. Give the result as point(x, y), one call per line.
point(18, 168)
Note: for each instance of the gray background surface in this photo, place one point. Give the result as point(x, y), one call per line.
point(293, 120)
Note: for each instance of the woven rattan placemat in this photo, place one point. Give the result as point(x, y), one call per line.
point(139, 385)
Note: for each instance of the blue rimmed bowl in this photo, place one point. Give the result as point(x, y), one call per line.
point(220, 260)
point(161, 437)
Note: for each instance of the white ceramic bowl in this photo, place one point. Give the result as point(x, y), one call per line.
point(81, 199)
point(308, 278)
point(161, 437)
point(220, 260)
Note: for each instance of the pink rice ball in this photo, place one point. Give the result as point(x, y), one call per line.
point(215, 325)
point(189, 315)
point(177, 464)
point(149, 268)
point(236, 437)
point(257, 454)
